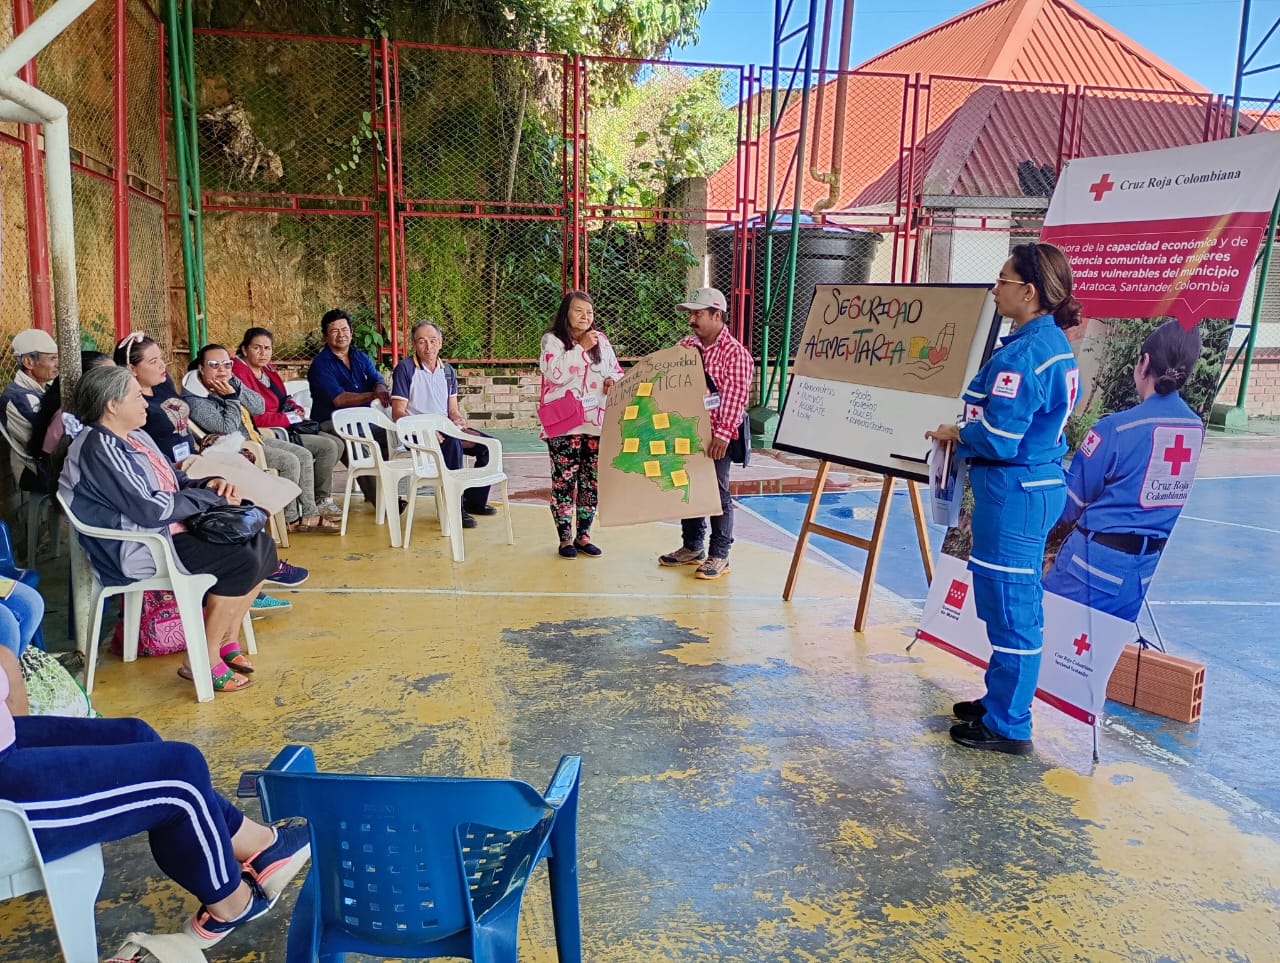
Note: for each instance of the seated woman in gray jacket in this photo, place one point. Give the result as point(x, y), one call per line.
point(220, 405)
point(115, 477)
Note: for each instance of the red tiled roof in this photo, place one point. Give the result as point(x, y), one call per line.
point(972, 134)
point(1054, 41)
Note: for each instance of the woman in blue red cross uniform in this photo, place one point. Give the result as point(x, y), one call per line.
point(1129, 480)
point(1015, 410)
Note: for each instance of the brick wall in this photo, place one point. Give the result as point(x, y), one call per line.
point(1263, 398)
point(499, 396)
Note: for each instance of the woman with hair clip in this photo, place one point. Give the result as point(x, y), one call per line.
point(576, 359)
point(1016, 408)
point(1129, 481)
point(168, 416)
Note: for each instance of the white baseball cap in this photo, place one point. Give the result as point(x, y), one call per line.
point(33, 340)
point(704, 298)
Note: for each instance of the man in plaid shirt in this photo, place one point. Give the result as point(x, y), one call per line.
point(729, 371)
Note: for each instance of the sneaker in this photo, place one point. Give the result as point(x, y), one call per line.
point(207, 930)
point(329, 509)
point(265, 604)
point(468, 521)
point(713, 568)
point(587, 547)
point(682, 556)
point(972, 711)
point(974, 735)
point(274, 867)
point(568, 551)
point(288, 575)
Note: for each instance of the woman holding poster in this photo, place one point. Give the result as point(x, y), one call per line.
point(1016, 407)
point(1129, 481)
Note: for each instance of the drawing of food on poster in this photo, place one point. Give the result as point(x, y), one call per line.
point(903, 337)
point(653, 463)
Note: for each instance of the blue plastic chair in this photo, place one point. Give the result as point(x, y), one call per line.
point(421, 867)
point(27, 576)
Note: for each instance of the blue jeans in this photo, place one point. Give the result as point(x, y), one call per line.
point(20, 616)
point(694, 530)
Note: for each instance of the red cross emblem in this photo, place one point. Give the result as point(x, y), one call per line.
point(1006, 380)
point(1100, 189)
point(1177, 455)
point(1082, 644)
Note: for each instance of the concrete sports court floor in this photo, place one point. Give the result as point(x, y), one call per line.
point(760, 783)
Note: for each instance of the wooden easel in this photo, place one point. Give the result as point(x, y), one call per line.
point(872, 545)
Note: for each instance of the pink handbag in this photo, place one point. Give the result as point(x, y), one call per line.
point(561, 416)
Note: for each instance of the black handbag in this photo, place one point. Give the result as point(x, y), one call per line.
point(304, 427)
point(227, 524)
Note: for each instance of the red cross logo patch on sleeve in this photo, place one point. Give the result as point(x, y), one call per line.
point(1171, 469)
point(1006, 384)
point(1090, 443)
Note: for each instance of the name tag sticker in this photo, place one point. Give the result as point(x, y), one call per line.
point(181, 451)
point(590, 402)
point(712, 401)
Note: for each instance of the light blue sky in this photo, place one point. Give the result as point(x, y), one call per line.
point(1198, 37)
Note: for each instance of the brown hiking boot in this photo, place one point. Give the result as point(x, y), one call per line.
point(712, 568)
point(682, 556)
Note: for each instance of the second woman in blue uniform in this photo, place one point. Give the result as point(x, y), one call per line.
point(1016, 407)
point(1129, 480)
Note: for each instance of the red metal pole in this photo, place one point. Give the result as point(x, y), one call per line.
point(584, 247)
point(33, 182)
point(392, 265)
point(119, 89)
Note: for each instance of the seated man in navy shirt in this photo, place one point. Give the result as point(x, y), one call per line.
point(425, 384)
point(345, 377)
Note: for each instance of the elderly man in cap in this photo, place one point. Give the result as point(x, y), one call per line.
point(729, 369)
point(37, 355)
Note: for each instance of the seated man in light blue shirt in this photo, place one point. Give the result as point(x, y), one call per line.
point(425, 384)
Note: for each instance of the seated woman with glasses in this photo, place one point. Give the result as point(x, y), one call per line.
point(116, 478)
point(220, 404)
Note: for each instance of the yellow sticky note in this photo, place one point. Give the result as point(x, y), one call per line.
point(631, 444)
point(682, 446)
point(657, 447)
point(644, 390)
point(662, 420)
point(652, 469)
point(631, 413)
point(680, 478)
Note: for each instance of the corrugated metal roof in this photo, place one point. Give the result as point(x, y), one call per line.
point(972, 133)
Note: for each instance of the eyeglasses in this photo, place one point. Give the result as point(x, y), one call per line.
point(219, 364)
point(1004, 280)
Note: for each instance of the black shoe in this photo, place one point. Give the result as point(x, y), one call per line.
point(482, 510)
point(975, 735)
point(403, 504)
point(587, 548)
point(972, 711)
point(468, 521)
point(568, 551)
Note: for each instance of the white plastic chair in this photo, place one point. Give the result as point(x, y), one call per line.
point(188, 591)
point(364, 460)
point(71, 883)
point(300, 391)
point(36, 505)
point(418, 434)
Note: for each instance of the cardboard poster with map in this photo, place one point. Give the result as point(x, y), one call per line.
point(653, 462)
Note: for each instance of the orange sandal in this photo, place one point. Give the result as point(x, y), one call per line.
point(228, 680)
point(233, 657)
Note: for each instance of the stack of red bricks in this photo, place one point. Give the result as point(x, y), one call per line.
point(1158, 682)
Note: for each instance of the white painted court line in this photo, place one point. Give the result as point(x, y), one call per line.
point(475, 593)
point(1214, 521)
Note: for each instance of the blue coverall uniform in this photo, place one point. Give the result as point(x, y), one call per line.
point(1126, 486)
point(1016, 407)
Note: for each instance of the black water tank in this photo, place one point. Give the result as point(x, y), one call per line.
point(825, 254)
